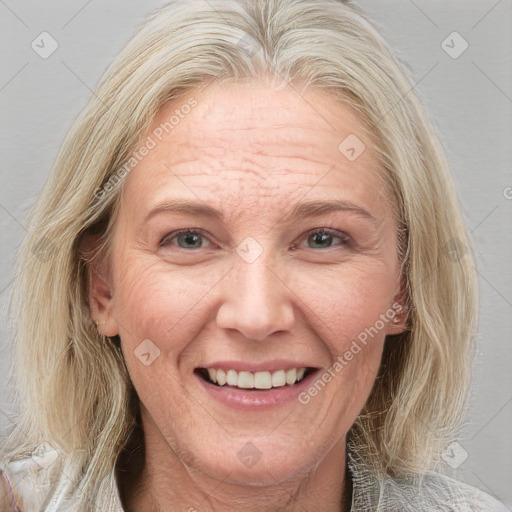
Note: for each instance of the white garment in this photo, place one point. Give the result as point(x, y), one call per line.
point(32, 478)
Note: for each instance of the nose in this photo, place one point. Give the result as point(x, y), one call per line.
point(257, 299)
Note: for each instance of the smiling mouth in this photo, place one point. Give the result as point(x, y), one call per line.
point(253, 380)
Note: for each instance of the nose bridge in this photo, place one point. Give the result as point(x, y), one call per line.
point(257, 301)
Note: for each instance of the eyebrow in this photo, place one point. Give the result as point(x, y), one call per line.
point(299, 211)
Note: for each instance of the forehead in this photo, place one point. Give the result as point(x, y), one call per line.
point(269, 146)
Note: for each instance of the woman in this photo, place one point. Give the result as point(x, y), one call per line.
point(188, 342)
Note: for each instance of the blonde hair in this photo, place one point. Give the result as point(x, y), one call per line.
point(73, 382)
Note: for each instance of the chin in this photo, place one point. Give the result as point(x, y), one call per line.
point(261, 462)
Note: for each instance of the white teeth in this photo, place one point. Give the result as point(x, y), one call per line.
point(245, 380)
point(262, 380)
point(279, 378)
point(258, 380)
point(232, 378)
point(221, 377)
point(291, 376)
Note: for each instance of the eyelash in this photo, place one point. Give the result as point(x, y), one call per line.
point(345, 239)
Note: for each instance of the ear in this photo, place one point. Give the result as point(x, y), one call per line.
point(398, 324)
point(399, 309)
point(99, 288)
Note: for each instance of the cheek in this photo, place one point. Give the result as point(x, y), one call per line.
point(165, 303)
point(154, 301)
point(347, 315)
point(346, 302)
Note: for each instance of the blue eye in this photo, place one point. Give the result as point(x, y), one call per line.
point(193, 239)
point(187, 239)
point(323, 238)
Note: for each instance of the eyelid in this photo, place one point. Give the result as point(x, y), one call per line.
point(346, 239)
point(178, 232)
point(331, 231)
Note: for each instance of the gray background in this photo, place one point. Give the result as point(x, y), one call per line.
point(469, 99)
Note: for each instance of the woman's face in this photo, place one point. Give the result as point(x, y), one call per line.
point(256, 288)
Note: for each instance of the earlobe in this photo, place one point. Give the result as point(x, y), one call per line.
point(99, 290)
point(399, 320)
point(100, 304)
point(400, 308)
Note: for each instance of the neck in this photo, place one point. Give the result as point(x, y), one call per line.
point(157, 480)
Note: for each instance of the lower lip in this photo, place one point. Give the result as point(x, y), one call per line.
point(248, 399)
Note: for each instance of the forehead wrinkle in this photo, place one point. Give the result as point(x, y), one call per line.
point(256, 170)
point(249, 150)
point(294, 141)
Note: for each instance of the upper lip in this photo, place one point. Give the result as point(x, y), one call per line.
point(269, 366)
